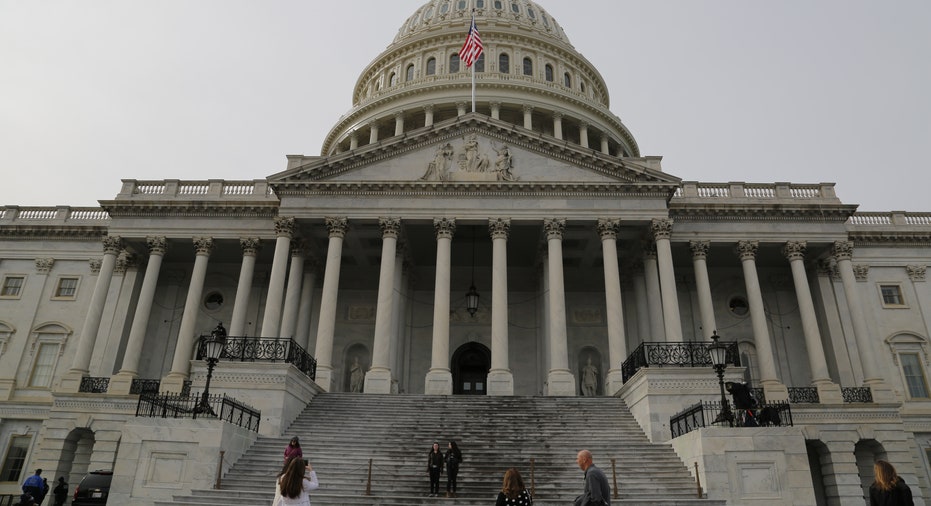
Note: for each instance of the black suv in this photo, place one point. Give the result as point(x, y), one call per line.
point(94, 488)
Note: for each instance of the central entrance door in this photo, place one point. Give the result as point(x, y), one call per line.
point(470, 366)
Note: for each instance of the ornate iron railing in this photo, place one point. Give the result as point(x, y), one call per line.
point(144, 386)
point(191, 406)
point(801, 395)
point(708, 413)
point(687, 354)
point(94, 385)
point(857, 394)
point(265, 349)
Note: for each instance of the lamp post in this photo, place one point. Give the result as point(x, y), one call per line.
point(718, 353)
point(213, 348)
point(472, 295)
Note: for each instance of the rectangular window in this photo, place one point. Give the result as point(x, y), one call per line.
point(892, 295)
point(12, 286)
point(67, 288)
point(45, 365)
point(15, 458)
point(914, 375)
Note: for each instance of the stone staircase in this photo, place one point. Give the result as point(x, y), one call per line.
point(340, 433)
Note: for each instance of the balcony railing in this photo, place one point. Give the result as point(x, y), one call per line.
point(189, 406)
point(799, 395)
point(687, 354)
point(144, 386)
point(708, 414)
point(857, 394)
point(265, 349)
point(94, 385)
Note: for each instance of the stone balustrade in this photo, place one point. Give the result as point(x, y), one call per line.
point(211, 189)
point(57, 215)
point(694, 191)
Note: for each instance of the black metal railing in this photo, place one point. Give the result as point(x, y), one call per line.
point(857, 394)
point(191, 406)
point(94, 385)
point(708, 414)
point(9, 499)
point(687, 354)
point(800, 395)
point(144, 386)
point(265, 349)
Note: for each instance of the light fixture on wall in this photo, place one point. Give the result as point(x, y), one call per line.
point(472, 294)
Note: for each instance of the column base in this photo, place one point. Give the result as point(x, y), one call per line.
point(775, 391)
point(172, 383)
point(121, 383)
point(500, 382)
point(613, 382)
point(377, 381)
point(70, 382)
point(560, 382)
point(828, 392)
point(881, 391)
point(438, 382)
point(324, 378)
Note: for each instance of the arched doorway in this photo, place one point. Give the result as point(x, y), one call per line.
point(470, 364)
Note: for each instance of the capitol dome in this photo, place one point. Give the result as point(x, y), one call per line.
point(529, 76)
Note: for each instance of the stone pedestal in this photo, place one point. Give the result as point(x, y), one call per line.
point(829, 392)
point(881, 391)
point(438, 382)
point(120, 384)
point(560, 383)
point(613, 382)
point(70, 382)
point(172, 383)
point(377, 381)
point(774, 391)
point(325, 378)
point(500, 382)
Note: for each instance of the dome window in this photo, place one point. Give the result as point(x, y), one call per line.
point(461, 5)
point(499, 5)
point(409, 75)
point(546, 22)
point(427, 14)
point(431, 66)
point(479, 4)
point(515, 8)
point(444, 8)
point(393, 80)
point(453, 63)
point(531, 13)
point(548, 72)
point(504, 63)
point(567, 80)
point(582, 85)
point(528, 67)
point(480, 63)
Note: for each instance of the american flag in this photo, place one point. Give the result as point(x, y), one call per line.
point(472, 48)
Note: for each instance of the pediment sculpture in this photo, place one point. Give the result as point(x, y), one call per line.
point(472, 162)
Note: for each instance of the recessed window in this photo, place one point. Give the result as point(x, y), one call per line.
point(44, 366)
point(567, 80)
point(504, 63)
point(914, 375)
point(453, 63)
point(431, 66)
point(479, 4)
point(409, 75)
point(531, 13)
point(738, 306)
point(892, 295)
point(213, 301)
point(444, 8)
point(548, 72)
point(67, 288)
point(15, 458)
point(582, 86)
point(461, 5)
point(393, 80)
point(499, 4)
point(528, 67)
point(427, 14)
point(546, 22)
point(480, 63)
point(515, 8)
point(12, 286)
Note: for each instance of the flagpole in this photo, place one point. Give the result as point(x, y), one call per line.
point(473, 88)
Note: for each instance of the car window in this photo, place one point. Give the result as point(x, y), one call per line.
point(96, 481)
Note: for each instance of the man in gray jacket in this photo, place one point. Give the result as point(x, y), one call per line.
point(596, 491)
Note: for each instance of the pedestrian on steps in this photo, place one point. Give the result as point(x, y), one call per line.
point(293, 450)
point(293, 487)
point(453, 458)
point(513, 491)
point(596, 491)
point(435, 468)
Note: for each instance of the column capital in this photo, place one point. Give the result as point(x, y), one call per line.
point(553, 227)
point(861, 272)
point(583, 125)
point(203, 245)
point(661, 228)
point(390, 227)
point(499, 228)
point(916, 272)
point(337, 226)
point(607, 228)
point(250, 246)
point(298, 247)
point(445, 228)
point(746, 250)
point(795, 250)
point(125, 261)
point(44, 265)
point(157, 245)
point(428, 108)
point(699, 249)
point(112, 245)
point(284, 226)
point(842, 250)
point(399, 115)
point(494, 105)
point(557, 115)
point(95, 264)
point(527, 107)
point(649, 249)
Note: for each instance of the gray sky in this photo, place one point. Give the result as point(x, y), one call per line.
point(802, 91)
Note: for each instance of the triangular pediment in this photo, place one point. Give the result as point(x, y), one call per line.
point(473, 149)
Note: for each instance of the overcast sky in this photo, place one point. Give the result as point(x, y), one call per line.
point(803, 91)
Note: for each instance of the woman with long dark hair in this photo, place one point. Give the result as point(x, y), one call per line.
point(435, 468)
point(292, 487)
point(453, 458)
point(293, 450)
point(513, 490)
point(889, 489)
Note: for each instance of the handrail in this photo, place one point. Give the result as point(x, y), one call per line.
point(265, 349)
point(176, 405)
point(709, 413)
point(684, 354)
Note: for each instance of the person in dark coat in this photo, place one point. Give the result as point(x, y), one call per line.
point(435, 468)
point(60, 492)
point(595, 491)
point(889, 489)
point(453, 458)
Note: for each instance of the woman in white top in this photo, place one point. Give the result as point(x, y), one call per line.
point(293, 486)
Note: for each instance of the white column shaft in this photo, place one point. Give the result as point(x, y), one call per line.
point(141, 318)
point(181, 364)
point(654, 300)
point(617, 345)
point(82, 357)
point(271, 320)
point(243, 291)
point(816, 359)
point(764, 346)
point(559, 351)
point(672, 323)
point(440, 355)
point(292, 298)
point(327, 324)
point(499, 305)
point(302, 332)
point(703, 288)
point(381, 350)
point(860, 329)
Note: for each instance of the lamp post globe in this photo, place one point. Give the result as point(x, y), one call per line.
point(718, 354)
point(213, 348)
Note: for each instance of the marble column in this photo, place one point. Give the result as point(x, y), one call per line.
point(461, 108)
point(617, 341)
point(271, 320)
point(773, 389)
point(828, 391)
point(640, 296)
point(121, 383)
point(500, 377)
point(326, 327)
point(378, 378)
point(560, 380)
point(672, 323)
point(495, 110)
point(353, 141)
point(112, 246)
point(399, 123)
point(654, 298)
point(373, 132)
point(428, 115)
point(528, 117)
point(439, 379)
point(308, 285)
point(398, 304)
point(187, 334)
point(557, 125)
point(250, 249)
point(882, 392)
point(703, 286)
point(583, 134)
point(605, 147)
point(292, 298)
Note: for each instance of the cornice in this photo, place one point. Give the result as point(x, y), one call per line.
point(891, 239)
point(53, 232)
point(777, 211)
point(178, 208)
point(473, 189)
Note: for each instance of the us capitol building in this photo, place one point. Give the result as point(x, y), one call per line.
point(527, 248)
